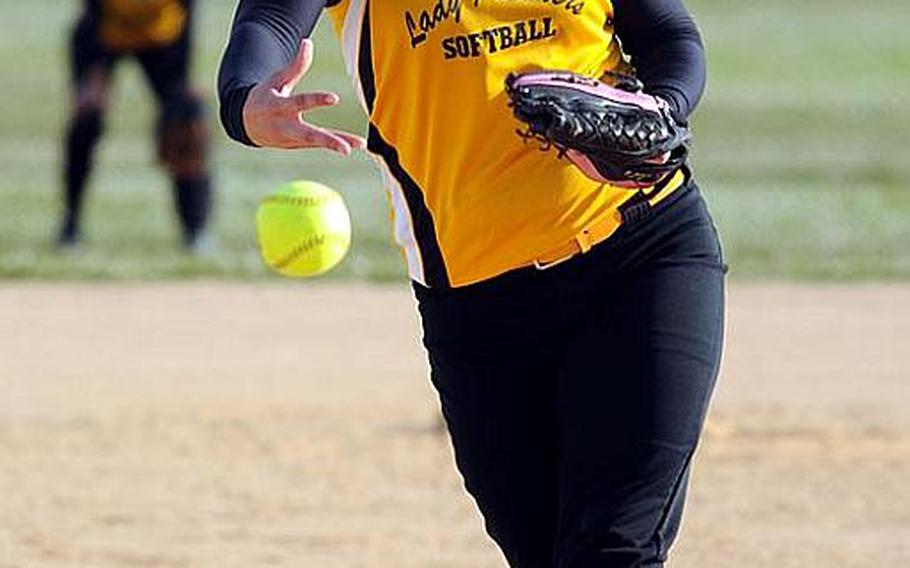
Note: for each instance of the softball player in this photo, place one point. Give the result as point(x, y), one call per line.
point(574, 328)
point(157, 34)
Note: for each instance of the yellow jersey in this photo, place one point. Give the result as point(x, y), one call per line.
point(471, 199)
point(128, 25)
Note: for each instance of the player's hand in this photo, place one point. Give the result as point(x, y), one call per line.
point(274, 117)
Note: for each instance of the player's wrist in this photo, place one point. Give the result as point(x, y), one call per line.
point(233, 105)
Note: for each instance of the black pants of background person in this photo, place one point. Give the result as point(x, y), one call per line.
point(575, 396)
point(166, 70)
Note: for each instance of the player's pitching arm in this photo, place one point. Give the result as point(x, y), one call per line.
point(267, 55)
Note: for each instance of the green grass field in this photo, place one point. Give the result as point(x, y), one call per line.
point(799, 148)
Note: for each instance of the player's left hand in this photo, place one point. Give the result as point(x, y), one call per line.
point(616, 135)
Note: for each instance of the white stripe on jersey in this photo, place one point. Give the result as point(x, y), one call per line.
point(352, 33)
point(404, 230)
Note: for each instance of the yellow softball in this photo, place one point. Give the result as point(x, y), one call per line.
point(303, 229)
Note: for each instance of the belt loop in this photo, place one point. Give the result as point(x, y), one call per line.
point(635, 210)
point(584, 240)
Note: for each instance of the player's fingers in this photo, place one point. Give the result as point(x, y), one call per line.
point(309, 136)
point(355, 141)
point(286, 79)
point(308, 101)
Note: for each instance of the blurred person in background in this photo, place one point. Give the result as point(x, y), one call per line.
point(157, 33)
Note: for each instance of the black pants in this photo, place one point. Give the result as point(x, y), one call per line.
point(575, 396)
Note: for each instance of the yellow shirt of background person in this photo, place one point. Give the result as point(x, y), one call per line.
point(471, 198)
point(141, 24)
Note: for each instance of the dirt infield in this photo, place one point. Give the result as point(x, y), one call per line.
point(218, 425)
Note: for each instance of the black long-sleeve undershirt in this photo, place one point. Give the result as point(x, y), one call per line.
point(659, 35)
point(666, 50)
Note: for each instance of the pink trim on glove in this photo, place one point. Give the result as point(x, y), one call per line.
point(572, 81)
point(587, 167)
